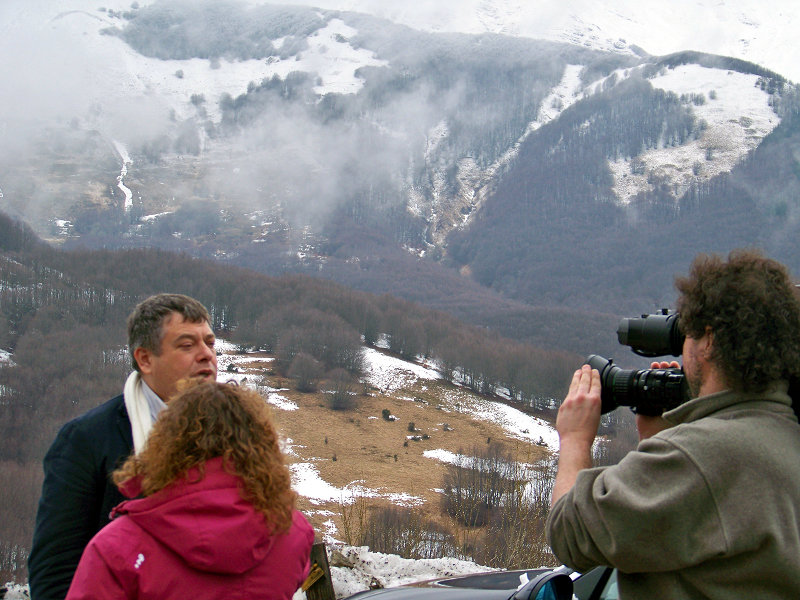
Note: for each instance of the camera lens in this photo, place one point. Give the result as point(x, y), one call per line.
point(646, 391)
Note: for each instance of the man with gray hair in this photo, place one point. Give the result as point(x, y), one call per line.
point(170, 339)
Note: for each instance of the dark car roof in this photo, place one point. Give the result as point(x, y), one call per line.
point(492, 585)
point(492, 580)
point(431, 593)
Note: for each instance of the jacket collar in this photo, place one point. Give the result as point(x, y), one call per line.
point(697, 408)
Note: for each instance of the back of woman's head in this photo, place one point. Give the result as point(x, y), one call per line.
point(210, 420)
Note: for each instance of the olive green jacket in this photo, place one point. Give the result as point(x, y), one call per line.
point(709, 508)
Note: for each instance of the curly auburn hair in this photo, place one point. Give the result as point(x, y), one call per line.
point(209, 420)
point(753, 310)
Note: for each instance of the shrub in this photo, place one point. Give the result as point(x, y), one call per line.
point(476, 485)
point(515, 537)
point(340, 387)
point(306, 371)
point(408, 533)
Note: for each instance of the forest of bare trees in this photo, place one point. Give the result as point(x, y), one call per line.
point(62, 317)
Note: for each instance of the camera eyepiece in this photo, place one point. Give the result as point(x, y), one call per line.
point(652, 335)
point(645, 391)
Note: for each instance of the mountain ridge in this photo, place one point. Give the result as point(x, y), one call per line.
point(408, 155)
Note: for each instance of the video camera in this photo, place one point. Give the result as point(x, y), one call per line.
point(646, 391)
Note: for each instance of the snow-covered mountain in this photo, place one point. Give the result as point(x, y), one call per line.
point(407, 121)
point(57, 66)
point(745, 29)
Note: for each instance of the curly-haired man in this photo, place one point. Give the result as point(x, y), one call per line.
point(706, 507)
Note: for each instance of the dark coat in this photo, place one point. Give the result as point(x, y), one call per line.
point(77, 494)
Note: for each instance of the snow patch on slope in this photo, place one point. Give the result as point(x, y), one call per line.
point(564, 95)
point(475, 183)
point(103, 74)
point(329, 55)
point(307, 482)
point(737, 114)
point(516, 423)
point(389, 374)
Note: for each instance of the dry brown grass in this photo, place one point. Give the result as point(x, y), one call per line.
point(376, 453)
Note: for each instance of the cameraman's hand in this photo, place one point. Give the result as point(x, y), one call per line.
point(577, 423)
point(665, 365)
point(579, 414)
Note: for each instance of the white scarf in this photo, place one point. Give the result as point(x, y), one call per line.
point(141, 411)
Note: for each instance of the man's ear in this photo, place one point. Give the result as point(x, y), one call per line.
point(143, 358)
point(708, 344)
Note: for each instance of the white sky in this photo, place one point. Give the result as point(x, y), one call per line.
point(764, 33)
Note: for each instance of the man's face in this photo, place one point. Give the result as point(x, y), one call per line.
point(187, 352)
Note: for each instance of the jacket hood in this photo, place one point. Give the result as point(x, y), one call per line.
point(206, 522)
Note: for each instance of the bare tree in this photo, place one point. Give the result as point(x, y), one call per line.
point(306, 371)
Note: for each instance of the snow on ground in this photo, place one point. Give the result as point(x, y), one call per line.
point(329, 55)
point(454, 458)
point(564, 95)
point(126, 160)
point(307, 482)
point(390, 570)
point(364, 568)
point(155, 216)
point(332, 57)
point(535, 474)
point(444, 456)
point(516, 423)
point(233, 365)
point(90, 69)
point(472, 178)
point(278, 401)
point(389, 374)
point(738, 117)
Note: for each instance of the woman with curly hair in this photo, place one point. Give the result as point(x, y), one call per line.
point(216, 515)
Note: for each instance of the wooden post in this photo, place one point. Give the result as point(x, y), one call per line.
point(318, 585)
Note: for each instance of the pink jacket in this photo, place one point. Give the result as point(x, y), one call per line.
point(193, 540)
